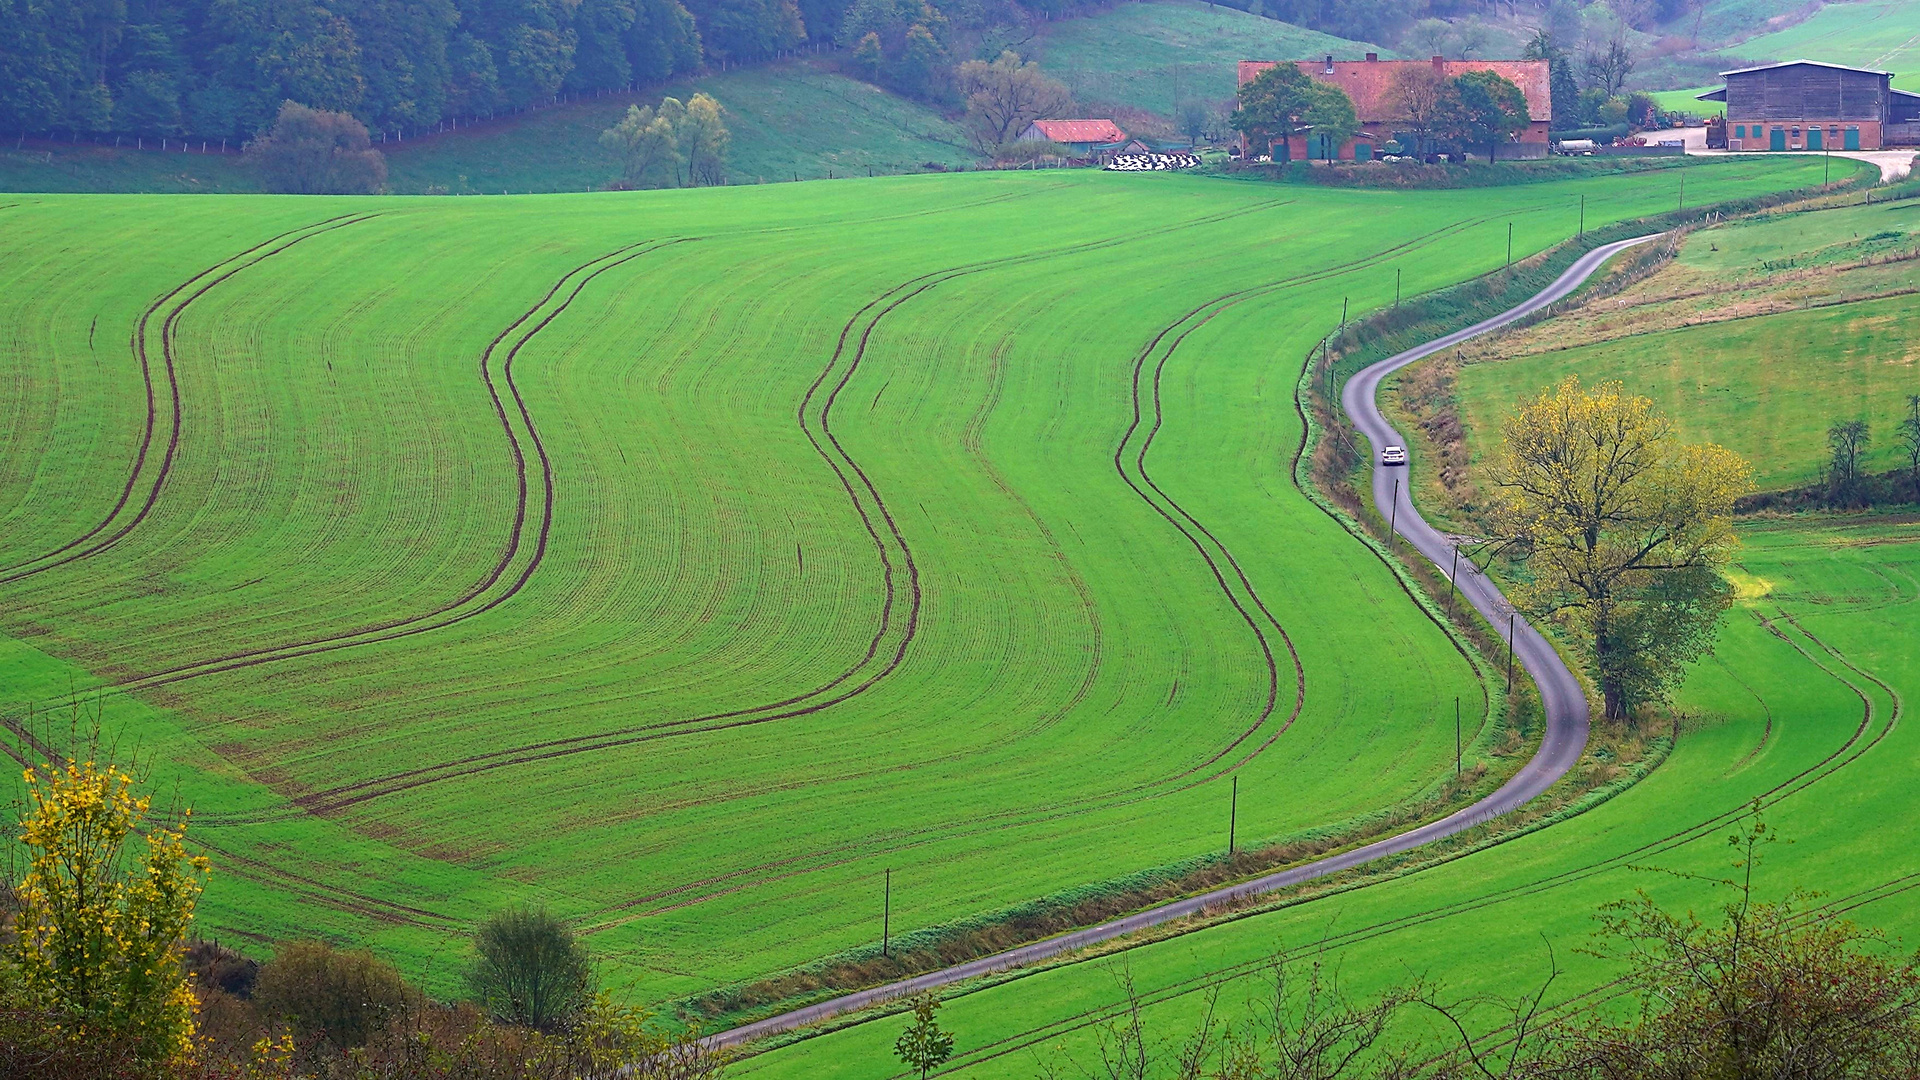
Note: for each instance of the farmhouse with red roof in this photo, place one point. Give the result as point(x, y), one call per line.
point(1086, 138)
point(1369, 81)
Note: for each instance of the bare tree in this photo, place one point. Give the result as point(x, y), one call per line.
point(1005, 96)
point(1847, 440)
point(1608, 68)
point(1909, 439)
point(1414, 96)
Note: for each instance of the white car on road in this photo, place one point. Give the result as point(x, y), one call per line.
point(1393, 455)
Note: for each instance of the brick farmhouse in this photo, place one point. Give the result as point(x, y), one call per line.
point(1368, 83)
point(1809, 105)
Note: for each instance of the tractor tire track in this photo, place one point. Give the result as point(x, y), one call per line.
point(394, 629)
point(138, 345)
point(853, 480)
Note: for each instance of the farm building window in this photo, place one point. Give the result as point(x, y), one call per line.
point(1739, 131)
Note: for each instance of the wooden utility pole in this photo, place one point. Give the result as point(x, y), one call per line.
point(1451, 574)
point(1393, 515)
point(1396, 287)
point(1683, 191)
point(1509, 652)
point(886, 916)
point(1233, 816)
point(1583, 217)
point(1456, 736)
point(1509, 245)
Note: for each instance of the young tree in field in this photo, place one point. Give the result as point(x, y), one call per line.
point(313, 152)
point(103, 912)
point(702, 134)
point(1479, 108)
point(1271, 106)
point(1330, 116)
point(645, 144)
point(1909, 438)
point(1414, 95)
point(530, 969)
point(1771, 989)
point(1005, 96)
point(1847, 442)
point(1623, 528)
point(924, 1047)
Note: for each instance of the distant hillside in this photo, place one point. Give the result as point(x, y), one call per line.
point(1866, 33)
point(792, 119)
point(1148, 55)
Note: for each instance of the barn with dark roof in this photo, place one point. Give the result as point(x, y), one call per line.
point(1810, 105)
point(1368, 82)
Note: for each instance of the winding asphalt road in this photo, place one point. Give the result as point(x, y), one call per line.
point(1565, 704)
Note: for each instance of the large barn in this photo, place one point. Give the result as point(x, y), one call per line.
point(1809, 105)
point(1368, 81)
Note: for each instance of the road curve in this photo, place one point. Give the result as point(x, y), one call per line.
point(1566, 708)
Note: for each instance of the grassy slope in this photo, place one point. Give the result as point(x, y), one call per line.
point(795, 118)
point(1766, 387)
point(1798, 704)
point(1882, 34)
point(1078, 686)
point(56, 167)
point(1148, 55)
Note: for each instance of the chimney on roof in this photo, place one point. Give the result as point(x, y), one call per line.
point(1373, 58)
point(1329, 63)
point(1440, 64)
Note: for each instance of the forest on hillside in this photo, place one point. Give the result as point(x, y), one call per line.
point(220, 69)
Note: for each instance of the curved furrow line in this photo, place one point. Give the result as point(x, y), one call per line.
point(383, 631)
point(895, 843)
point(138, 344)
point(349, 794)
point(822, 860)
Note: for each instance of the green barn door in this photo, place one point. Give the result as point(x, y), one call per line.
point(1814, 137)
point(1778, 139)
point(1853, 138)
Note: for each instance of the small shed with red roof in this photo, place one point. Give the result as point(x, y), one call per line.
point(1086, 138)
point(1369, 83)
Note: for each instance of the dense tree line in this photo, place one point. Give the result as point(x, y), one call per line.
point(220, 69)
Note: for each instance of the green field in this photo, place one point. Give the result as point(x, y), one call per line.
point(1687, 101)
point(1881, 34)
point(1802, 705)
point(1766, 387)
point(1151, 55)
point(686, 560)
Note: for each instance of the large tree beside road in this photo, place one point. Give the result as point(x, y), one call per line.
point(1622, 529)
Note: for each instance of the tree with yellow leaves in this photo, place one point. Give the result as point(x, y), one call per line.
point(103, 911)
point(1623, 528)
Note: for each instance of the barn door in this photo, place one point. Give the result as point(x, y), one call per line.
point(1814, 138)
point(1778, 139)
point(1853, 139)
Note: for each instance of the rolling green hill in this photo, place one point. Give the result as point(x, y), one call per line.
point(1883, 34)
point(1150, 55)
point(1801, 705)
point(1768, 385)
point(687, 560)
